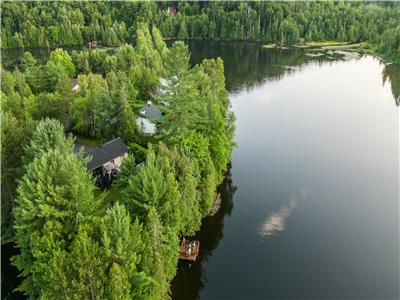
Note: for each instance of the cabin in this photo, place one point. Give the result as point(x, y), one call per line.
point(105, 160)
point(150, 114)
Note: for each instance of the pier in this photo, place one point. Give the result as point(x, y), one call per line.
point(189, 250)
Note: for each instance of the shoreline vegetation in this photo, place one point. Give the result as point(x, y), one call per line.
point(30, 24)
point(362, 48)
point(122, 243)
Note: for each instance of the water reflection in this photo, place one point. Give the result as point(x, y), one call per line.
point(259, 65)
point(275, 221)
point(190, 278)
point(391, 74)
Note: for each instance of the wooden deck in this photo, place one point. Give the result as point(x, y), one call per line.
point(189, 250)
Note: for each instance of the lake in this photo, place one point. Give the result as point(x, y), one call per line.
point(310, 205)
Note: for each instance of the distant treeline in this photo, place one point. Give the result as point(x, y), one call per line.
point(34, 24)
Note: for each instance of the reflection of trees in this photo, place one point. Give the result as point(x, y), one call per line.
point(11, 58)
point(391, 73)
point(190, 278)
point(248, 64)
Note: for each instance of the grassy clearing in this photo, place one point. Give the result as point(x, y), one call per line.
point(88, 141)
point(270, 46)
point(324, 45)
point(343, 47)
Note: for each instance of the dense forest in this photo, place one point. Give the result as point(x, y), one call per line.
point(54, 24)
point(74, 239)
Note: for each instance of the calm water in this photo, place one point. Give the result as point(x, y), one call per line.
point(311, 205)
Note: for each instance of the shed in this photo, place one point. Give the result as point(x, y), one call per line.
point(151, 112)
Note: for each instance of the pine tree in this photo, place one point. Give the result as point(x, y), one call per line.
point(54, 197)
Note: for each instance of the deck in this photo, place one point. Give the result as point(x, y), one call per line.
point(189, 250)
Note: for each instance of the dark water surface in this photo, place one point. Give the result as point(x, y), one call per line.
point(311, 204)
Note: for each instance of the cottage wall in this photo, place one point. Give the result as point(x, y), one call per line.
point(118, 160)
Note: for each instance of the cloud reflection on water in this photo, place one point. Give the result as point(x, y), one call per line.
point(275, 221)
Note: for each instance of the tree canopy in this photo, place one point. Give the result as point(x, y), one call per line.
point(73, 241)
point(34, 24)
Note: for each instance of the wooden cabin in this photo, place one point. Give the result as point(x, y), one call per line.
point(105, 160)
point(189, 250)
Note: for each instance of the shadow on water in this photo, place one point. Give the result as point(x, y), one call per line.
point(190, 278)
point(9, 274)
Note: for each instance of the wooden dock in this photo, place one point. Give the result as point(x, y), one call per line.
point(189, 250)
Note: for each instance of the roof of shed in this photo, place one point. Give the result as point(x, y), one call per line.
point(151, 111)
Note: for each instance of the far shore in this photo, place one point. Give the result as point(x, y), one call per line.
point(330, 45)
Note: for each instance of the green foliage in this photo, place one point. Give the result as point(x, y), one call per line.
point(62, 58)
point(70, 246)
point(54, 75)
point(123, 248)
point(178, 59)
point(14, 136)
point(54, 197)
point(115, 23)
point(49, 134)
point(28, 61)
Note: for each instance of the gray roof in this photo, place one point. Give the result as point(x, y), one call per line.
point(151, 111)
point(106, 152)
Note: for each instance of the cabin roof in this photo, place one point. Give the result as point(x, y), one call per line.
point(106, 152)
point(151, 111)
point(145, 125)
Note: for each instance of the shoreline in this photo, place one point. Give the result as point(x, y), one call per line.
point(361, 48)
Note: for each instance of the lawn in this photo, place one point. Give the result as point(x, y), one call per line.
point(88, 140)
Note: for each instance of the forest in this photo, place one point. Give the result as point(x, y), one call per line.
point(376, 24)
point(74, 239)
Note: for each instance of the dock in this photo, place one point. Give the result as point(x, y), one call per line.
point(189, 250)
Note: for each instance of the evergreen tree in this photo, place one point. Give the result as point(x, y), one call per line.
point(62, 58)
point(54, 197)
